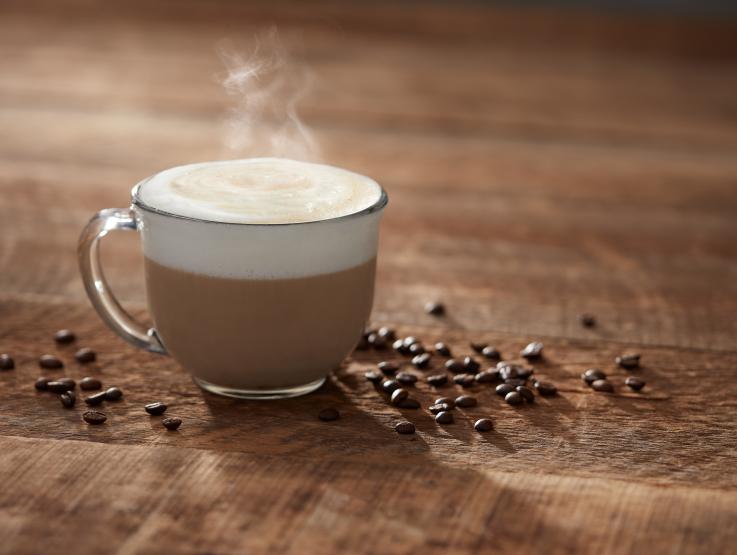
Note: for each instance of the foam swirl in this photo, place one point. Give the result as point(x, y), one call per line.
point(260, 191)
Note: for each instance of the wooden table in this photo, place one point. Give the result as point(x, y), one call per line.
point(539, 165)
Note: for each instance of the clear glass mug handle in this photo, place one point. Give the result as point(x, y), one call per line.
point(106, 305)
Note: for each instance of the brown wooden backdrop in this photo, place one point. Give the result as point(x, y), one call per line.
point(539, 165)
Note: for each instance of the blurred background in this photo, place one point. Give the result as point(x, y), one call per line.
point(535, 153)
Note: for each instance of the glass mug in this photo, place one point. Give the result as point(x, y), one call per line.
point(255, 311)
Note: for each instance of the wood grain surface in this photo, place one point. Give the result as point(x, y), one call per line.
point(539, 165)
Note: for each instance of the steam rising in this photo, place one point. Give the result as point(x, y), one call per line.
point(266, 86)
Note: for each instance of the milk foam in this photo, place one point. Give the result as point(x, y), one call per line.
point(303, 192)
point(260, 191)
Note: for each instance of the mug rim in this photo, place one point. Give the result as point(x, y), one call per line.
point(136, 201)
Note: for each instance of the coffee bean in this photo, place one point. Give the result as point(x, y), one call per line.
point(85, 355)
point(405, 378)
point(442, 349)
point(416, 349)
point(470, 365)
point(155, 409)
point(60, 386)
point(602, 385)
point(404, 427)
point(68, 399)
point(514, 398)
point(546, 389)
point(508, 372)
point(387, 333)
point(399, 395)
point(465, 401)
point(524, 373)
point(444, 417)
point(491, 353)
point(593, 374)
point(42, 383)
point(439, 407)
point(532, 350)
point(376, 341)
point(437, 380)
point(409, 404)
point(515, 382)
point(483, 425)
point(64, 336)
point(503, 389)
point(400, 347)
point(94, 417)
point(373, 377)
point(369, 331)
point(409, 341)
point(435, 308)
point(421, 361)
point(326, 415)
point(390, 386)
point(388, 368)
point(90, 384)
point(526, 393)
point(464, 380)
point(454, 366)
point(172, 423)
point(6, 362)
point(628, 361)
point(96, 399)
point(635, 384)
point(587, 320)
point(113, 394)
point(50, 362)
point(478, 347)
point(487, 376)
point(449, 401)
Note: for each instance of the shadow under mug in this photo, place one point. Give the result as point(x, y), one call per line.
point(256, 311)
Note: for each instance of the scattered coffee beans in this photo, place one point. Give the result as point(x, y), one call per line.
point(444, 417)
point(593, 374)
point(68, 399)
point(399, 395)
point(388, 368)
point(326, 415)
point(409, 341)
point(442, 349)
point(406, 378)
point(526, 393)
point(410, 403)
point(113, 394)
point(404, 427)
point(491, 353)
point(390, 385)
point(504, 389)
point(6, 362)
point(90, 384)
point(172, 423)
point(94, 417)
point(42, 383)
point(602, 385)
point(437, 380)
point(532, 351)
point(60, 386)
point(546, 389)
point(478, 347)
point(96, 399)
point(470, 365)
point(449, 401)
point(50, 362)
point(421, 361)
point(64, 336)
point(373, 377)
point(435, 308)
point(155, 409)
point(466, 401)
point(628, 361)
point(587, 320)
point(483, 425)
point(85, 355)
point(635, 384)
point(514, 398)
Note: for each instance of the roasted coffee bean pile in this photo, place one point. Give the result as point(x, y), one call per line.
point(65, 387)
